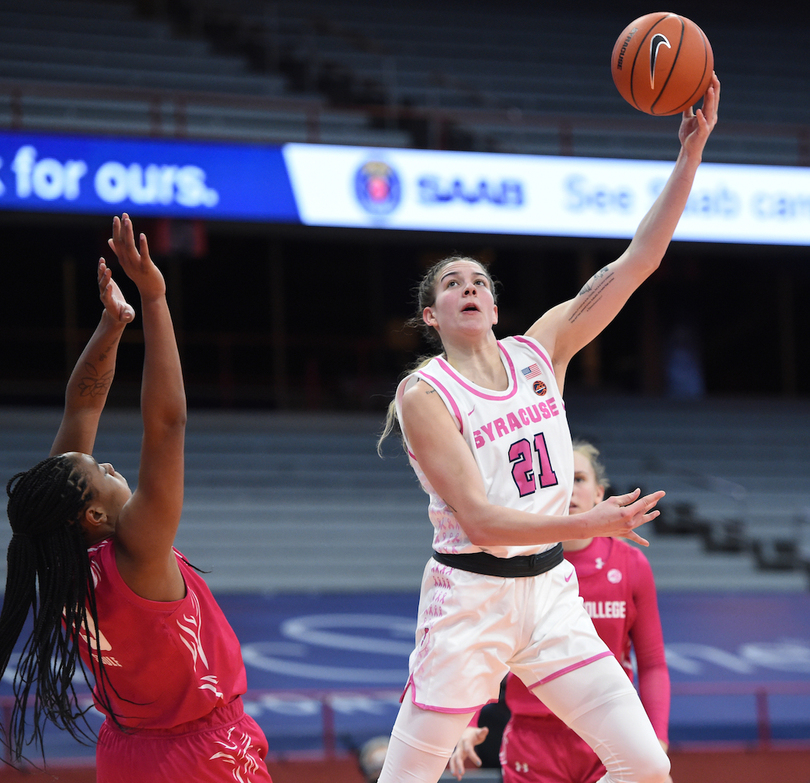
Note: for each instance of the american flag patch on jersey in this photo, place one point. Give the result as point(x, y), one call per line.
point(532, 371)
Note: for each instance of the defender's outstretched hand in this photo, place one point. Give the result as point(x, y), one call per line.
point(111, 297)
point(135, 259)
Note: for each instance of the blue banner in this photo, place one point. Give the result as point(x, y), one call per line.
point(405, 189)
point(145, 177)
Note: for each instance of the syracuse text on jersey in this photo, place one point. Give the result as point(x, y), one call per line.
point(515, 420)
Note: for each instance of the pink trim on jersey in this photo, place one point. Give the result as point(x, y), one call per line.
point(447, 394)
point(572, 667)
point(463, 381)
point(452, 710)
point(536, 348)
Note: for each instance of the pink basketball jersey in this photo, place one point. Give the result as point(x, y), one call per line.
point(168, 662)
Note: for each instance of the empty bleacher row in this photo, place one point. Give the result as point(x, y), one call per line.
point(512, 77)
point(97, 66)
point(205, 116)
point(293, 502)
point(736, 473)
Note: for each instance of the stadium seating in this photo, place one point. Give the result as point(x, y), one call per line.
point(507, 77)
point(98, 67)
point(515, 77)
point(294, 502)
point(735, 473)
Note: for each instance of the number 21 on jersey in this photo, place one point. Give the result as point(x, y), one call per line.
point(524, 474)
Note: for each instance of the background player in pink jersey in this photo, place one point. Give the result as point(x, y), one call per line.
point(485, 429)
point(616, 583)
point(96, 563)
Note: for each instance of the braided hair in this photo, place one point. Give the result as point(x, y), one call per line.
point(49, 576)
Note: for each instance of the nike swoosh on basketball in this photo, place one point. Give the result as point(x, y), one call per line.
point(658, 40)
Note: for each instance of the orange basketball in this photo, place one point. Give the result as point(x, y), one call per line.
point(662, 63)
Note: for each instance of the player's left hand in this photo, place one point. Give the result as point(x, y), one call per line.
point(111, 297)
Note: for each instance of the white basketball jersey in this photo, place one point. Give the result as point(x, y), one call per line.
point(519, 438)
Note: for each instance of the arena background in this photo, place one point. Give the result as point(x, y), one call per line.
point(293, 337)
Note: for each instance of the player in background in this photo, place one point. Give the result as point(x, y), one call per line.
point(485, 429)
point(95, 562)
point(617, 586)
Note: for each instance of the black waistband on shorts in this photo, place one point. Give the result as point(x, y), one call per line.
point(489, 565)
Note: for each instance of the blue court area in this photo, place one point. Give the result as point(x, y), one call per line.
point(326, 670)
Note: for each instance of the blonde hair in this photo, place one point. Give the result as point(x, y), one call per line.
point(391, 418)
point(591, 453)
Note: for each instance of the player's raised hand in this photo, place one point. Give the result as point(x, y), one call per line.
point(111, 297)
point(135, 259)
point(696, 125)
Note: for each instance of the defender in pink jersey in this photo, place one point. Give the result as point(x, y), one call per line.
point(96, 562)
point(484, 426)
point(617, 586)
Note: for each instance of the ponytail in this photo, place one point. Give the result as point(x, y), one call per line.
point(391, 417)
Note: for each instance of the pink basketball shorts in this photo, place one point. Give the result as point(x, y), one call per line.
point(226, 745)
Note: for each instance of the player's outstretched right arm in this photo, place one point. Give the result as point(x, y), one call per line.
point(148, 522)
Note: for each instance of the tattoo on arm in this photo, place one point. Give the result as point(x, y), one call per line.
point(93, 384)
point(105, 351)
point(592, 292)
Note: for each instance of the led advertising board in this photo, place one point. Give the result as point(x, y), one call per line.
point(402, 189)
point(81, 174)
point(541, 195)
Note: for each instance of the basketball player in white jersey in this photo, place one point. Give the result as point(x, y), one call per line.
point(484, 425)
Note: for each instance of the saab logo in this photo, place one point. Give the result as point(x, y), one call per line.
point(377, 188)
point(656, 42)
point(501, 193)
point(539, 388)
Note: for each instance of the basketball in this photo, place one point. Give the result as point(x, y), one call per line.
point(662, 63)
